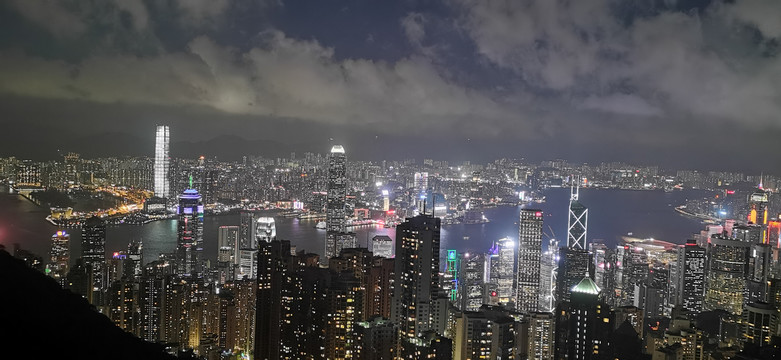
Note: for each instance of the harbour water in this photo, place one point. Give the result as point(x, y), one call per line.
point(612, 213)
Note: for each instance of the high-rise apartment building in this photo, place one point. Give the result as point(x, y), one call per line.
point(93, 253)
point(529, 254)
point(416, 283)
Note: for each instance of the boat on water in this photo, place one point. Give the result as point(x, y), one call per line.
point(320, 225)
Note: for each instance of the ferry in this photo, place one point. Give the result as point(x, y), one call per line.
point(320, 225)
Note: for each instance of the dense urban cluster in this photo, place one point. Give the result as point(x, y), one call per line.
point(716, 296)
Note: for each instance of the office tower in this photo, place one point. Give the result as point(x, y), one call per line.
point(757, 208)
point(247, 265)
point(727, 269)
point(577, 223)
point(760, 323)
point(247, 228)
point(584, 324)
point(162, 166)
point(471, 281)
point(227, 243)
point(416, 277)
point(634, 272)
point(382, 245)
point(376, 339)
point(529, 252)
point(691, 276)
point(486, 334)
point(59, 258)
point(760, 260)
point(501, 272)
point(421, 182)
point(450, 277)
point(337, 236)
point(385, 200)
point(542, 326)
point(189, 245)
point(599, 253)
point(265, 229)
point(549, 267)
point(93, 252)
point(573, 266)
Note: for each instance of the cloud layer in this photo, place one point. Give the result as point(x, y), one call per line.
point(564, 65)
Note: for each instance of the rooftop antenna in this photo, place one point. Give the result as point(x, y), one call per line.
point(191, 181)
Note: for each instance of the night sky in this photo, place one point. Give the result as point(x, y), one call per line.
point(683, 83)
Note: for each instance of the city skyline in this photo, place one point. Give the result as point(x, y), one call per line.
point(391, 180)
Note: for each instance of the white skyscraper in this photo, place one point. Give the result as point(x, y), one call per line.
point(162, 187)
point(265, 229)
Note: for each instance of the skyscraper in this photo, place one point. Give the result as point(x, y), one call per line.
point(247, 229)
point(549, 267)
point(93, 252)
point(189, 245)
point(382, 245)
point(501, 277)
point(57, 267)
point(336, 215)
point(691, 276)
point(227, 258)
point(162, 166)
point(471, 281)
point(585, 324)
point(577, 222)
point(529, 254)
point(265, 229)
point(416, 275)
point(727, 269)
point(760, 323)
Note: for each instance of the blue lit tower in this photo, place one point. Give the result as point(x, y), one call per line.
point(189, 245)
point(529, 254)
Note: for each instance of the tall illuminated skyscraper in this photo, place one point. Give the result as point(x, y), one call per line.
point(189, 245)
point(691, 276)
point(162, 166)
point(337, 237)
point(57, 267)
point(577, 223)
point(265, 230)
point(529, 253)
point(502, 265)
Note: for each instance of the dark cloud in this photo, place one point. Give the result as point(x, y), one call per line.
point(508, 75)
